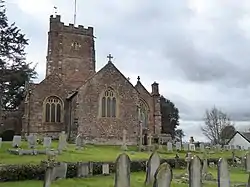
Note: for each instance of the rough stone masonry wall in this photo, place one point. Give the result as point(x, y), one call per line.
point(91, 124)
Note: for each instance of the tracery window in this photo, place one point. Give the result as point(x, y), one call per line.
point(143, 113)
point(53, 110)
point(109, 104)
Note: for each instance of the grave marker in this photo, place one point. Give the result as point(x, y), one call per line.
point(16, 141)
point(122, 174)
point(152, 165)
point(163, 176)
point(223, 173)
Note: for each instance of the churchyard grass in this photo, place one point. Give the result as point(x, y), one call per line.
point(92, 153)
point(137, 179)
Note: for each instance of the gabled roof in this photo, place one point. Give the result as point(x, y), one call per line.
point(139, 84)
point(108, 65)
point(245, 135)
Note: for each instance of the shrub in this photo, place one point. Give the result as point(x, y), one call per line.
point(36, 172)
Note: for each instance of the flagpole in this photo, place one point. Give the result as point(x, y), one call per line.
point(75, 14)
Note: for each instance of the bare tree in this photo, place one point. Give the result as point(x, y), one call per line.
point(214, 122)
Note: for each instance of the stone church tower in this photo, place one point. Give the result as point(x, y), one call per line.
point(70, 62)
point(75, 98)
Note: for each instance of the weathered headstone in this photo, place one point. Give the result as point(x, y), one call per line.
point(47, 142)
point(60, 171)
point(152, 165)
point(223, 173)
point(150, 142)
point(140, 136)
point(205, 167)
point(124, 140)
point(83, 170)
point(195, 172)
point(122, 173)
point(79, 141)
point(185, 146)
point(32, 141)
point(202, 147)
point(191, 147)
point(105, 169)
point(62, 144)
point(188, 160)
point(178, 146)
point(170, 146)
point(163, 176)
point(248, 162)
point(16, 141)
point(48, 177)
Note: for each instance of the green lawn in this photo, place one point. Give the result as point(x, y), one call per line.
point(137, 180)
point(91, 153)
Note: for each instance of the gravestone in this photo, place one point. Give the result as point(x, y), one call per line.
point(191, 147)
point(105, 169)
point(83, 170)
point(178, 146)
point(124, 140)
point(188, 160)
point(1, 140)
point(170, 146)
point(122, 173)
point(226, 147)
point(152, 165)
point(150, 142)
point(79, 141)
point(195, 172)
point(59, 171)
point(62, 144)
point(32, 141)
point(140, 137)
point(205, 167)
point(247, 162)
point(202, 147)
point(163, 176)
point(16, 141)
point(223, 173)
point(185, 146)
point(48, 177)
point(47, 142)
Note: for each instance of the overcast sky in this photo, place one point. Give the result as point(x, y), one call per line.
point(198, 50)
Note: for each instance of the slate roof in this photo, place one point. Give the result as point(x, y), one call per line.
point(245, 135)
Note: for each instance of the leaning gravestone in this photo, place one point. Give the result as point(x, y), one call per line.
point(152, 165)
point(223, 173)
point(163, 176)
point(122, 173)
point(47, 142)
point(16, 141)
point(48, 177)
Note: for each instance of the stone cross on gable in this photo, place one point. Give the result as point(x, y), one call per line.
point(110, 57)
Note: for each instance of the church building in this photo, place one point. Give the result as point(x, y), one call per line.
point(77, 99)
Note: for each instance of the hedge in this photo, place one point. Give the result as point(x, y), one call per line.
point(36, 172)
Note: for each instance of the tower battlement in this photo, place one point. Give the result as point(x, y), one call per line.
point(57, 25)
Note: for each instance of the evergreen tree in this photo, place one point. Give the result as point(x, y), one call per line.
point(14, 70)
point(170, 116)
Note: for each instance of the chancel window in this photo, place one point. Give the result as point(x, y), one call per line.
point(53, 110)
point(109, 104)
point(143, 114)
